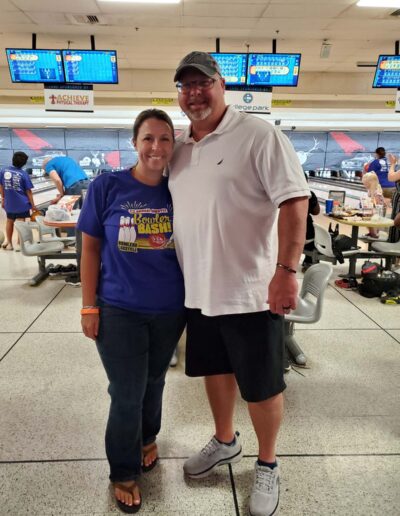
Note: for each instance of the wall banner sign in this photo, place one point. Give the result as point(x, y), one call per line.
point(250, 101)
point(65, 97)
point(281, 103)
point(162, 102)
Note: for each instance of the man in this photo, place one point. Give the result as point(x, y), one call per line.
point(16, 195)
point(69, 179)
point(230, 174)
point(67, 175)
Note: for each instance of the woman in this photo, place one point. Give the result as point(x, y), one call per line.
point(133, 294)
point(380, 166)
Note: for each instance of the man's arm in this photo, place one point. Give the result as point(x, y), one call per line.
point(59, 185)
point(283, 288)
point(2, 196)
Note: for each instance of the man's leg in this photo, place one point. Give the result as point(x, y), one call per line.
point(221, 391)
point(266, 417)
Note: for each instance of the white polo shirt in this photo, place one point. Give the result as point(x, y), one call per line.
point(226, 191)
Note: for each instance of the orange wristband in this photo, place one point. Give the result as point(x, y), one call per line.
point(88, 311)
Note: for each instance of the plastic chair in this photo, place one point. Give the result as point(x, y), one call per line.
point(389, 250)
point(47, 230)
point(323, 244)
point(41, 250)
point(309, 306)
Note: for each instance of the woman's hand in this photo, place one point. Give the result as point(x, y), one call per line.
point(90, 325)
point(392, 159)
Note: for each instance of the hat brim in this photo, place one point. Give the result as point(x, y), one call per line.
point(210, 72)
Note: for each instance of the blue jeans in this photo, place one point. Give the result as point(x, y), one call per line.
point(135, 349)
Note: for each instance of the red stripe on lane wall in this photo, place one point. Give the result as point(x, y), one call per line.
point(112, 159)
point(31, 140)
point(347, 144)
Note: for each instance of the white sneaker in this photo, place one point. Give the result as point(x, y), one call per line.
point(212, 455)
point(264, 499)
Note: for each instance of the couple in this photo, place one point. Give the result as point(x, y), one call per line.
point(232, 177)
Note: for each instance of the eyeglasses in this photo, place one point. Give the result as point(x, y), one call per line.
point(203, 85)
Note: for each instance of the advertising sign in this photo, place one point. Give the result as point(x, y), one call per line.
point(67, 98)
point(250, 101)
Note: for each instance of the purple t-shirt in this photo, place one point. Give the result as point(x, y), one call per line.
point(15, 182)
point(381, 168)
point(139, 268)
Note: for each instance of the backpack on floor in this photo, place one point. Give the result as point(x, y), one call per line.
point(376, 281)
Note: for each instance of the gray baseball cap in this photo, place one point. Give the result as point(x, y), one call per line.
point(201, 61)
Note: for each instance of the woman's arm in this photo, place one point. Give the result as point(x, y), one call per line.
point(393, 175)
point(90, 270)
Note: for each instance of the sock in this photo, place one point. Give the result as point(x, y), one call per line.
point(230, 443)
point(270, 465)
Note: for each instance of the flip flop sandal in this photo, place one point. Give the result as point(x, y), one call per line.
point(146, 452)
point(128, 509)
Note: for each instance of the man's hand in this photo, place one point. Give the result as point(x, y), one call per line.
point(55, 201)
point(282, 292)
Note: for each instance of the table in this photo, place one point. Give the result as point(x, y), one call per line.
point(356, 224)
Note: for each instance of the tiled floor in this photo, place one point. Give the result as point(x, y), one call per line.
point(339, 446)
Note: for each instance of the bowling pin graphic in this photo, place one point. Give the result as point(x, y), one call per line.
point(126, 229)
point(132, 232)
point(121, 229)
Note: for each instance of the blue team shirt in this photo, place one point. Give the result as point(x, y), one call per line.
point(139, 268)
point(68, 170)
point(381, 168)
point(15, 182)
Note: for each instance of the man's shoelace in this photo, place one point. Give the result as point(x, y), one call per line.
point(210, 448)
point(265, 480)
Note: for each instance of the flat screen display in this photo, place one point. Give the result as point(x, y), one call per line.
point(90, 66)
point(387, 74)
point(233, 67)
point(273, 69)
point(28, 65)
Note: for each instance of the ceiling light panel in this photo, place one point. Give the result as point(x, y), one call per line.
point(379, 3)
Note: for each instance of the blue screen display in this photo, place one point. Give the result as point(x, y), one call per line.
point(28, 65)
point(387, 74)
point(273, 69)
point(233, 67)
point(91, 66)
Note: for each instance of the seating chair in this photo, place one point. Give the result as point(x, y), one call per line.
point(47, 230)
point(323, 244)
point(389, 250)
point(309, 306)
point(41, 250)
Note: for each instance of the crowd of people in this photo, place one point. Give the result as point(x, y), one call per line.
point(200, 233)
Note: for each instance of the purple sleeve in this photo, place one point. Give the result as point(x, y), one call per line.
point(374, 166)
point(91, 217)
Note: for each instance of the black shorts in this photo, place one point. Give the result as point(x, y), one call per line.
point(251, 346)
point(15, 216)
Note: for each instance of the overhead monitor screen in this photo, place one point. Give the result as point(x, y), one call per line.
point(90, 66)
point(233, 67)
point(387, 74)
point(28, 65)
point(273, 69)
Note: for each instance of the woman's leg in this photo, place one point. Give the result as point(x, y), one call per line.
point(123, 345)
point(165, 332)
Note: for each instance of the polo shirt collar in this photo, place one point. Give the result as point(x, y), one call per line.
point(230, 116)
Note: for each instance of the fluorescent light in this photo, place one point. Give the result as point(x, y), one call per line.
point(143, 1)
point(379, 3)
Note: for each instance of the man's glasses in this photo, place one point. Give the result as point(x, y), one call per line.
point(203, 85)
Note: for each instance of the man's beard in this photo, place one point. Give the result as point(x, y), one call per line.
point(199, 115)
